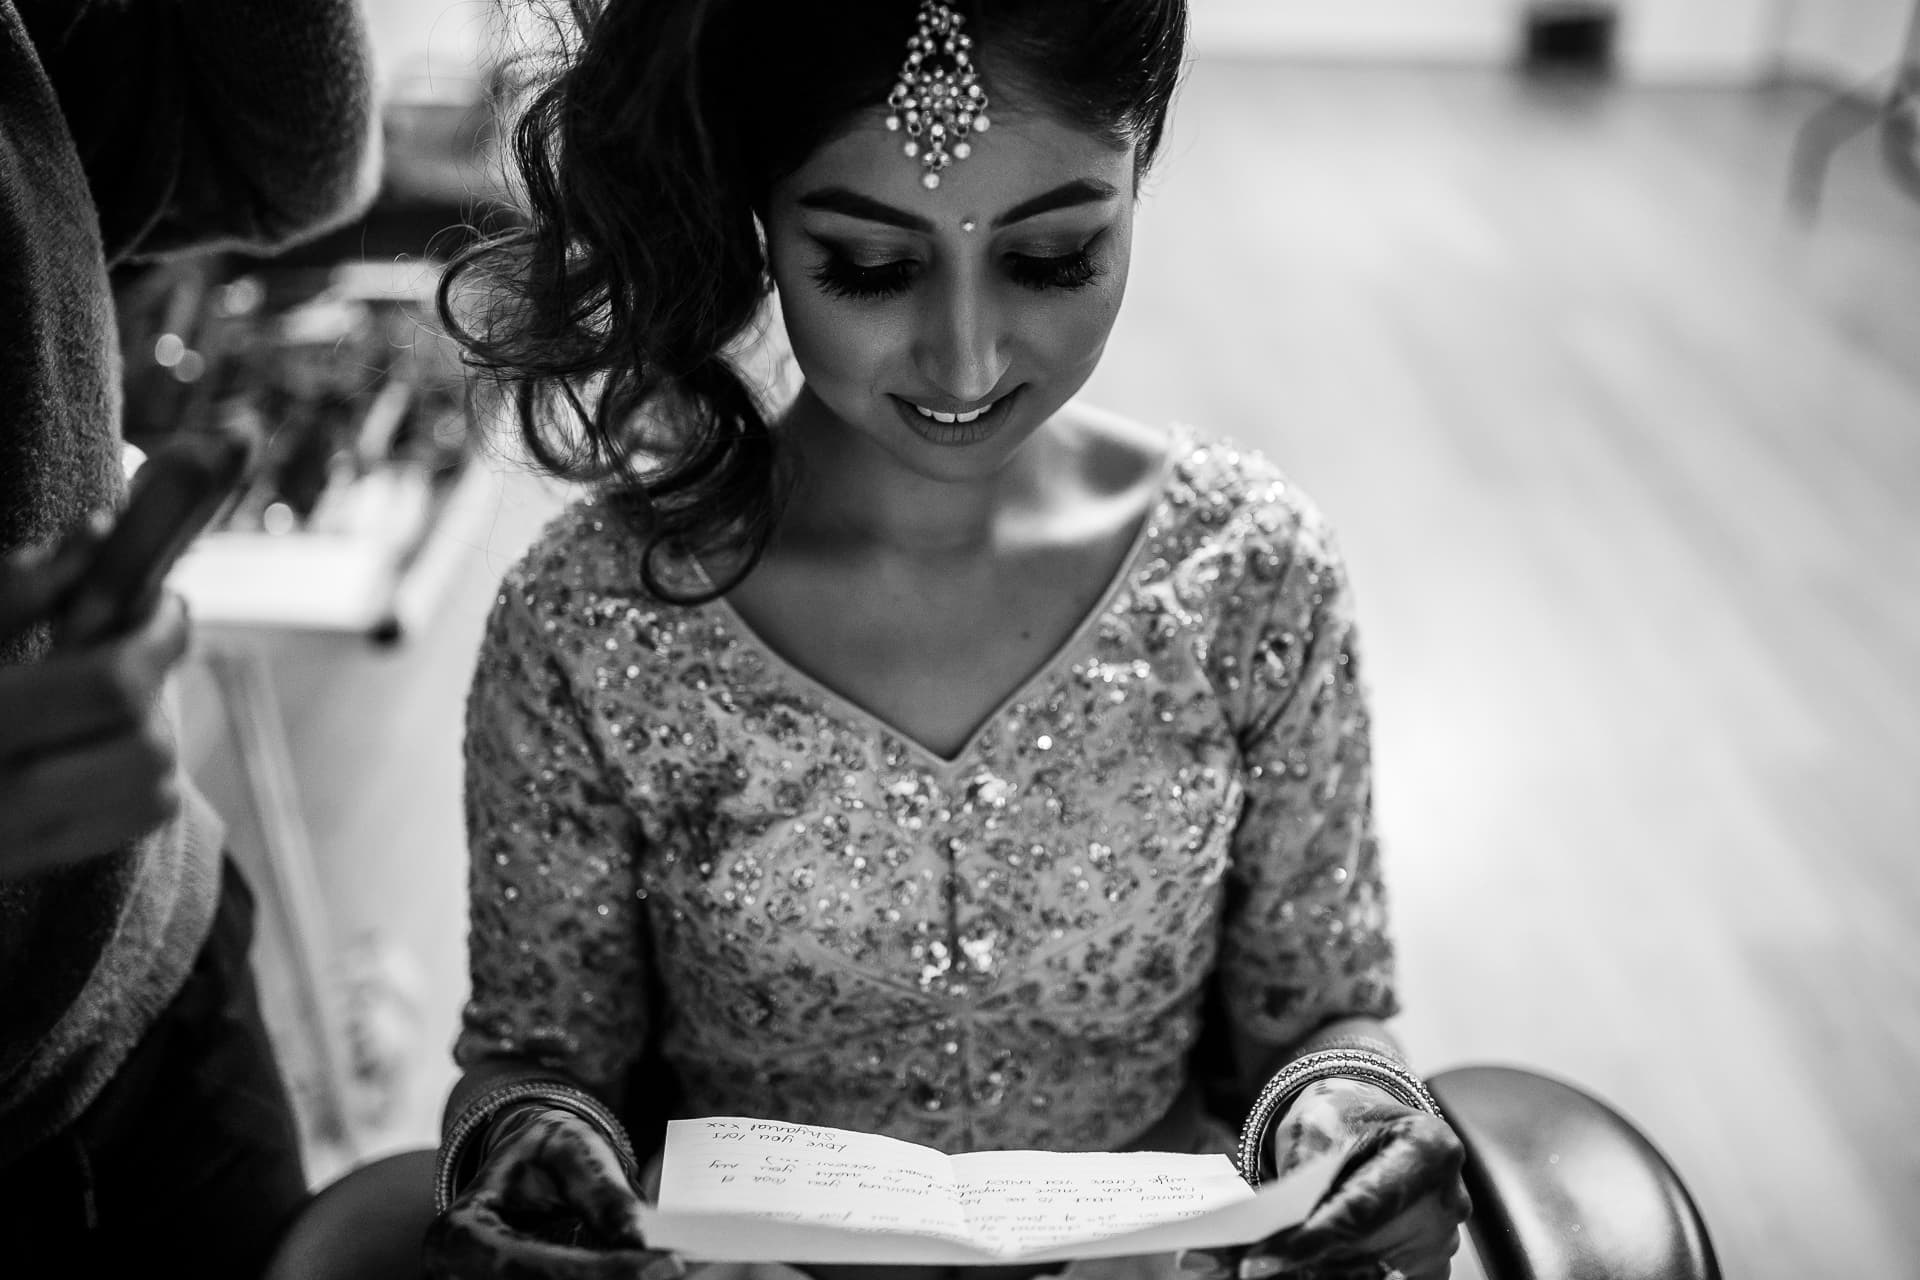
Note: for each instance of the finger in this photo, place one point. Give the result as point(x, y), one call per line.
point(91, 606)
point(593, 1179)
point(71, 844)
point(77, 697)
point(61, 704)
point(1415, 1242)
point(664, 1266)
point(75, 550)
point(480, 1224)
point(159, 637)
point(84, 805)
point(1418, 1237)
point(125, 773)
point(134, 667)
point(33, 579)
point(1439, 1269)
point(119, 587)
point(152, 644)
point(1206, 1264)
point(472, 1240)
point(1408, 1159)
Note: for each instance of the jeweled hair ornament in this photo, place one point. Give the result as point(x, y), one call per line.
point(938, 101)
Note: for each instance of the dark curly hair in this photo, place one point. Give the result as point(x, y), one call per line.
point(612, 314)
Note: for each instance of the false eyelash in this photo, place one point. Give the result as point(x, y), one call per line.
point(844, 278)
point(1074, 270)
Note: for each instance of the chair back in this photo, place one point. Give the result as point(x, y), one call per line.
point(367, 1225)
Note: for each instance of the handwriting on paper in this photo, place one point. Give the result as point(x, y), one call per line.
point(859, 1182)
point(745, 1190)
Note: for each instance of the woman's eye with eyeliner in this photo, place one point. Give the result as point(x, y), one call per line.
point(842, 277)
point(1074, 270)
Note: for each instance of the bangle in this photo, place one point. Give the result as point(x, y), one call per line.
point(1353, 1040)
point(1349, 1064)
point(473, 1121)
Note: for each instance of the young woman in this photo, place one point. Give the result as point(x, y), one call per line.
point(924, 752)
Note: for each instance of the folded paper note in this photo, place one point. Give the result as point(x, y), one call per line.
point(739, 1190)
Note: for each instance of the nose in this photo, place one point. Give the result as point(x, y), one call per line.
point(961, 346)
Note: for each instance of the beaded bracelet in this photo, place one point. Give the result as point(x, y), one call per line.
point(1348, 1064)
point(473, 1121)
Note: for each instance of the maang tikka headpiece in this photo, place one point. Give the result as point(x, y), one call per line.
point(938, 100)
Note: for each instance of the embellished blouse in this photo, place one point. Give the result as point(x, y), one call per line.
point(685, 848)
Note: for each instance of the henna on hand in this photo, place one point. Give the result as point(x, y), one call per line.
point(1402, 1163)
point(1399, 1188)
point(551, 1200)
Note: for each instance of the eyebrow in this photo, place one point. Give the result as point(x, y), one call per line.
point(852, 204)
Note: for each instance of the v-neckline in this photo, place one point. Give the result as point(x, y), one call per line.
point(840, 705)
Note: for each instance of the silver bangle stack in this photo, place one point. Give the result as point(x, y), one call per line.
point(1353, 1040)
point(471, 1127)
point(1366, 1065)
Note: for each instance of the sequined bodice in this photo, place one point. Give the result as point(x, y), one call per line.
point(683, 845)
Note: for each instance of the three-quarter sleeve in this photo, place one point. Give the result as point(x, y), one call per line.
point(557, 938)
point(1305, 936)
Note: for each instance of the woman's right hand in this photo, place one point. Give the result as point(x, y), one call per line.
point(551, 1199)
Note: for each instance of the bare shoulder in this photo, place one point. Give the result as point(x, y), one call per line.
point(1112, 455)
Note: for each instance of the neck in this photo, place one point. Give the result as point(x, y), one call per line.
point(849, 489)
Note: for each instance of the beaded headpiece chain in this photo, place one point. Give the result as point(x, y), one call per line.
point(938, 100)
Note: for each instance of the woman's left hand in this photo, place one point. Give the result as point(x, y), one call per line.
point(1396, 1204)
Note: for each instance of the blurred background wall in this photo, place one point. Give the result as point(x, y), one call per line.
point(1728, 40)
point(1732, 40)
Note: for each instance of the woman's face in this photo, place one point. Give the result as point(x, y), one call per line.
point(945, 326)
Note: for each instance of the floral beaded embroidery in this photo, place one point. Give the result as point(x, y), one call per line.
point(1005, 949)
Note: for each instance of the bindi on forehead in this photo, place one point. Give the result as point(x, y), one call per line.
point(852, 203)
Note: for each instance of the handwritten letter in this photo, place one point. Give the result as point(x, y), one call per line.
point(795, 1173)
point(745, 1190)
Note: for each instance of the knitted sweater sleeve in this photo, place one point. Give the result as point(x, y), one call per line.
point(213, 123)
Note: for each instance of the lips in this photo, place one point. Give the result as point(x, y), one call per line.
point(954, 423)
point(966, 415)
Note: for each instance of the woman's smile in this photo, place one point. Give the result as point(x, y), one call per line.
point(952, 424)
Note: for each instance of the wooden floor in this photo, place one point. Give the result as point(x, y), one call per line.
point(1627, 467)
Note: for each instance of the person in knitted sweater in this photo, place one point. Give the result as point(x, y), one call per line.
point(143, 1121)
